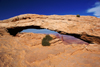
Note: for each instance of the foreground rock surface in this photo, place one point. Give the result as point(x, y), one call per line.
point(25, 50)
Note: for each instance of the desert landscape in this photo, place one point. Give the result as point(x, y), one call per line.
point(76, 44)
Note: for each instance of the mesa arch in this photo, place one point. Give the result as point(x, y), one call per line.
point(65, 24)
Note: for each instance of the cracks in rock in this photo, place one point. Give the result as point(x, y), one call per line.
point(50, 56)
point(78, 50)
point(18, 18)
point(60, 53)
point(84, 48)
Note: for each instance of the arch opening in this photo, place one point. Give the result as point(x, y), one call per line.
point(66, 38)
point(38, 29)
point(42, 31)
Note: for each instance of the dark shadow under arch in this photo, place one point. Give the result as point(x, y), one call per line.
point(14, 31)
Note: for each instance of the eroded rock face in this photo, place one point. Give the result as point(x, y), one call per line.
point(92, 39)
point(25, 50)
point(3, 31)
point(69, 24)
point(62, 23)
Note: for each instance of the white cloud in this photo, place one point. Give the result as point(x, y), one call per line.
point(95, 10)
point(97, 3)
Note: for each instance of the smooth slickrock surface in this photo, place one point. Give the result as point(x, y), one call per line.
point(25, 50)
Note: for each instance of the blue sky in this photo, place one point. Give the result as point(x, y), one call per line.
point(45, 31)
point(11, 8)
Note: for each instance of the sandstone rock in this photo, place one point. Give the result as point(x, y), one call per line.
point(92, 39)
point(86, 24)
point(26, 50)
point(20, 51)
point(3, 31)
point(65, 24)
